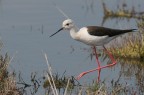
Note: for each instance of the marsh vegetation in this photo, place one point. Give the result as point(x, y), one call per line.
point(129, 53)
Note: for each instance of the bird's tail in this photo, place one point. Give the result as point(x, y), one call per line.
point(134, 30)
point(130, 30)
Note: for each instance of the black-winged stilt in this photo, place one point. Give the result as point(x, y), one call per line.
point(93, 36)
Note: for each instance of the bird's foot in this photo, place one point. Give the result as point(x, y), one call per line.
point(80, 75)
point(99, 68)
point(84, 73)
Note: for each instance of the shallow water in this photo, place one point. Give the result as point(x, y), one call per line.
point(25, 27)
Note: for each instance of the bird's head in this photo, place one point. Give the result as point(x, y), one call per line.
point(66, 25)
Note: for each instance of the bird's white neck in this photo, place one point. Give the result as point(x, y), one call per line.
point(73, 32)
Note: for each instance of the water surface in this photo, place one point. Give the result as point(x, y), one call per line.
point(26, 25)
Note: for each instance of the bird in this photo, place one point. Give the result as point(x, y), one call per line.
point(93, 36)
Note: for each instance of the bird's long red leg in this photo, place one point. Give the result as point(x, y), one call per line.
point(99, 70)
point(113, 63)
point(96, 57)
point(111, 57)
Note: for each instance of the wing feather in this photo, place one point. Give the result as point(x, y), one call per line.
point(102, 31)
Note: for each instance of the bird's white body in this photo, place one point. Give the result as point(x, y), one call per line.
point(83, 36)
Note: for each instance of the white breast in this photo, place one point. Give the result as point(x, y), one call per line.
point(86, 38)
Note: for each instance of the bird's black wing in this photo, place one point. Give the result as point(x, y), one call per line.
point(102, 31)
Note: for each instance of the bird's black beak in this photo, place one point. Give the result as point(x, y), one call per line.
point(57, 31)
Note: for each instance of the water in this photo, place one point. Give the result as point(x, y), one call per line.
point(25, 27)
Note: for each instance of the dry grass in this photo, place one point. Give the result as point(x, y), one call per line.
point(129, 49)
point(122, 12)
point(7, 80)
point(132, 46)
point(55, 82)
